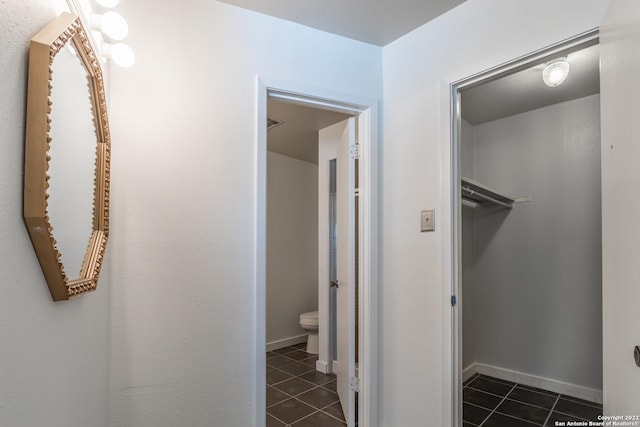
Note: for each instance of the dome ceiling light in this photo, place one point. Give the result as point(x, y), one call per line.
point(556, 72)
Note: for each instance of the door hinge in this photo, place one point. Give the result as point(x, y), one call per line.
point(454, 300)
point(354, 151)
point(354, 384)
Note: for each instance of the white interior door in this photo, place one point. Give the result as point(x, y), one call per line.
point(345, 271)
point(327, 152)
point(619, 95)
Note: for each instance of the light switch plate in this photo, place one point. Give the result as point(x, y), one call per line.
point(427, 220)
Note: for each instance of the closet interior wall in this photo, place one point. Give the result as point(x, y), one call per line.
point(532, 287)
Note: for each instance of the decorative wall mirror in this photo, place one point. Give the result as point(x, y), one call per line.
point(67, 158)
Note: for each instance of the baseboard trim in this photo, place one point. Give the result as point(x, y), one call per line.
point(286, 342)
point(469, 371)
point(323, 367)
point(556, 386)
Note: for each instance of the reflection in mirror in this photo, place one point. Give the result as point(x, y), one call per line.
point(72, 164)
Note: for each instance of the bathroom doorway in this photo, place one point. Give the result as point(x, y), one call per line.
point(527, 204)
point(302, 283)
point(301, 387)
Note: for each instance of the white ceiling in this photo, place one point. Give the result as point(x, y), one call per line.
point(378, 22)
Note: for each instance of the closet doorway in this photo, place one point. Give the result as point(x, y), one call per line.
point(528, 324)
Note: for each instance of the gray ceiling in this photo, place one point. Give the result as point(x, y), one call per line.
point(525, 90)
point(511, 94)
point(378, 22)
point(297, 136)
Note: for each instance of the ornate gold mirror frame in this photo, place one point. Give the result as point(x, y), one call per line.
point(64, 30)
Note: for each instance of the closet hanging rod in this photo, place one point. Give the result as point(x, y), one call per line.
point(480, 194)
point(487, 198)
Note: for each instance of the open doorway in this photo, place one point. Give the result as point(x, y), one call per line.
point(302, 283)
point(528, 314)
point(300, 386)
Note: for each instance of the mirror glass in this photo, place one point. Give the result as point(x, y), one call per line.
point(73, 159)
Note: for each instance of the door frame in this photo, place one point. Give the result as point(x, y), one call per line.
point(366, 111)
point(454, 317)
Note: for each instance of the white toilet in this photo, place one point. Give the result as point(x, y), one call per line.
point(309, 322)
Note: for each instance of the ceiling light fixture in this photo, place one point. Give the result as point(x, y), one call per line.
point(108, 30)
point(108, 3)
point(119, 53)
point(556, 72)
point(112, 24)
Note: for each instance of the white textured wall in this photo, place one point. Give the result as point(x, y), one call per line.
point(53, 356)
point(537, 270)
point(184, 201)
point(292, 244)
point(415, 328)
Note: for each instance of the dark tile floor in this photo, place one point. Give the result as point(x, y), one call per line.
point(490, 402)
point(297, 394)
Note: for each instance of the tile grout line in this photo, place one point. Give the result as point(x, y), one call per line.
point(273, 416)
point(541, 392)
point(528, 403)
point(581, 401)
point(511, 399)
point(486, 392)
point(324, 386)
point(303, 418)
point(551, 412)
point(573, 416)
point(286, 398)
point(321, 409)
point(494, 409)
point(507, 398)
point(513, 417)
point(295, 396)
point(477, 406)
point(317, 410)
point(331, 404)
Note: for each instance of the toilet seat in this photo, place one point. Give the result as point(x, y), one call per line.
point(309, 322)
point(309, 319)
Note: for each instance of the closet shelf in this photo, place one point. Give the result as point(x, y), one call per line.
point(475, 193)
